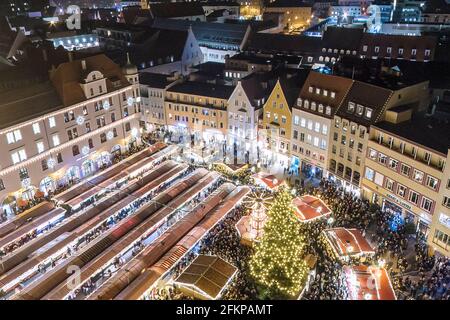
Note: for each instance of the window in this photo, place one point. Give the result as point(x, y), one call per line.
point(432, 182)
point(51, 122)
point(368, 113)
point(401, 190)
point(427, 204)
point(418, 175)
point(55, 139)
point(390, 184)
point(405, 169)
point(127, 127)
point(90, 143)
point(333, 94)
point(85, 111)
point(413, 197)
point(36, 128)
point(59, 157)
point(23, 174)
point(316, 141)
point(296, 120)
point(295, 134)
point(359, 110)
point(40, 147)
point(303, 122)
point(103, 137)
point(88, 127)
point(393, 164)
point(2, 185)
point(382, 158)
point(377, 49)
point(310, 124)
point(323, 144)
point(317, 127)
point(18, 156)
point(446, 202)
point(75, 150)
point(351, 107)
point(372, 154)
point(14, 136)
point(310, 89)
point(370, 174)
point(324, 129)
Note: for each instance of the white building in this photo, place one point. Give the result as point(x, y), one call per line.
point(54, 133)
point(313, 114)
point(245, 106)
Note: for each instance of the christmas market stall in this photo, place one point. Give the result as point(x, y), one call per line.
point(308, 208)
point(343, 243)
point(206, 277)
point(368, 283)
point(268, 181)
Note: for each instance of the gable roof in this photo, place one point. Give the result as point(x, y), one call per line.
point(68, 76)
point(369, 96)
point(339, 85)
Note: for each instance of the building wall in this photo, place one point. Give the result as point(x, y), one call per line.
point(243, 125)
point(310, 140)
point(105, 137)
point(205, 116)
point(439, 237)
point(277, 124)
point(409, 182)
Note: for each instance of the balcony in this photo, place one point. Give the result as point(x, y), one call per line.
point(407, 155)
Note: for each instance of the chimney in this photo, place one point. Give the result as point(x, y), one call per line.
point(83, 64)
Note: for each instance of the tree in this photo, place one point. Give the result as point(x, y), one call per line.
point(277, 264)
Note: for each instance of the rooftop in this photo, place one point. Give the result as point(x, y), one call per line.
point(154, 80)
point(207, 275)
point(68, 76)
point(203, 89)
point(283, 43)
point(176, 9)
point(426, 131)
point(22, 104)
point(289, 4)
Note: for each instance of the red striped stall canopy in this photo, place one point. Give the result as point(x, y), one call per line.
point(347, 242)
point(308, 208)
point(267, 180)
point(368, 283)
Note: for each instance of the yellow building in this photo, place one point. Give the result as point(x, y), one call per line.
point(199, 109)
point(275, 134)
point(405, 172)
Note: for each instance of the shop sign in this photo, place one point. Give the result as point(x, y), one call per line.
point(445, 220)
point(398, 201)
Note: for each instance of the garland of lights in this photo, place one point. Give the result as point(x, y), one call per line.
point(277, 263)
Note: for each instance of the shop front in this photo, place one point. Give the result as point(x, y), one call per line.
point(396, 206)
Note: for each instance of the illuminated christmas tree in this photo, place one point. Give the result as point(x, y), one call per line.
point(277, 264)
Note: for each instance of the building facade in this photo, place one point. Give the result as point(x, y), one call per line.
point(89, 113)
point(313, 116)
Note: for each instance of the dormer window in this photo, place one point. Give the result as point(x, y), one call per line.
point(368, 113)
point(359, 110)
point(299, 102)
point(351, 107)
point(317, 90)
point(333, 94)
point(310, 89)
point(328, 110)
